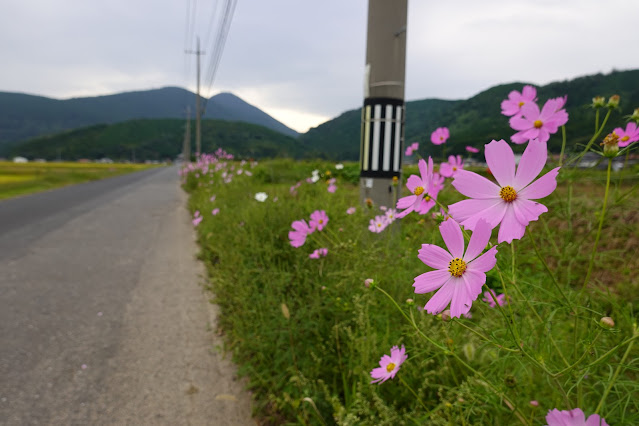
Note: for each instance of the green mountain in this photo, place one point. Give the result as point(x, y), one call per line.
point(157, 140)
point(478, 120)
point(26, 116)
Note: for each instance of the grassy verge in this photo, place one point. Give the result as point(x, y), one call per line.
point(27, 178)
point(307, 332)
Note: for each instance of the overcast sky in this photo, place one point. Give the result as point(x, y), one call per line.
point(303, 61)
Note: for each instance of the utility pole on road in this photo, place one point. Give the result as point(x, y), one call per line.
point(198, 110)
point(383, 114)
point(186, 147)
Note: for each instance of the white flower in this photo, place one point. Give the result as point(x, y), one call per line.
point(261, 196)
point(315, 178)
point(339, 166)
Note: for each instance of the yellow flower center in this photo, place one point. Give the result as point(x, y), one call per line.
point(508, 194)
point(419, 190)
point(390, 367)
point(454, 168)
point(379, 225)
point(456, 267)
point(625, 138)
point(521, 104)
point(441, 138)
point(321, 221)
point(538, 124)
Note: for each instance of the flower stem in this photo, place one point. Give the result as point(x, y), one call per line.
point(563, 145)
point(550, 273)
point(413, 392)
point(617, 372)
point(594, 137)
point(601, 221)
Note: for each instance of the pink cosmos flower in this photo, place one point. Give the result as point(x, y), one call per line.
point(389, 365)
point(501, 298)
point(331, 185)
point(628, 136)
point(440, 135)
point(450, 169)
point(415, 146)
point(321, 252)
point(423, 189)
point(516, 100)
point(438, 182)
point(508, 203)
point(391, 215)
point(409, 151)
point(459, 275)
point(215, 211)
point(472, 149)
point(212, 198)
point(300, 231)
point(378, 224)
point(574, 417)
point(533, 124)
point(319, 219)
point(197, 218)
point(351, 210)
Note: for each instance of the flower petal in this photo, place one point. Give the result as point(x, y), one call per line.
point(501, 161)
point(479, 240)
point(413, 182)
point(542, 187)
point(483, 263)
point(440, 300)
point(520, 123)
point(468, 212)
point(406, 202)
point(434, 256)
point(459, 303)
point(473, 185)
point(431, 281)
point(527, 210)
point(510, 228)
point(453, 237)
point(531, 164)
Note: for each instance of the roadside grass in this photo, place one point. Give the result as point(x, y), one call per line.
point(308, 332)
point(27, 178)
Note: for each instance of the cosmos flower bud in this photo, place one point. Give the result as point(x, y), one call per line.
point(534, 403)
point(611, 145)
point(598, 102)
point(396, 179)
point(410, 302)
point(607, 322)
point(635, 115)
point(369, 283)
point(446, 315)
point(613, 102)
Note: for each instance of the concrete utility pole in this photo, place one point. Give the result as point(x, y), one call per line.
point(186, 147)
point(383, 114)
point(198, 110)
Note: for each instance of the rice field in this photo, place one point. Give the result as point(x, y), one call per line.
point(18, 179)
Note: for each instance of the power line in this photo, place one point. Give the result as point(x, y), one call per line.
point(218, 47)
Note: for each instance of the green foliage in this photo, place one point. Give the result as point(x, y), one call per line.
point(157, 140)
point(307, 332)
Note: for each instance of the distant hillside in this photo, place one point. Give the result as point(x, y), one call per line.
point(478, 120)
point(157, 140)
point(26, 116)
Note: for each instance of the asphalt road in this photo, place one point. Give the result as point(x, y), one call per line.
point(102, 316)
